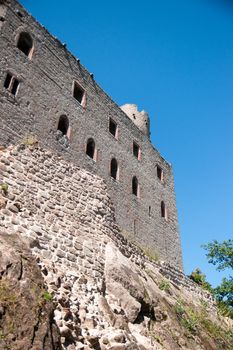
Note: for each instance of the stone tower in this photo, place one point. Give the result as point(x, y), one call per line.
point(140, 119)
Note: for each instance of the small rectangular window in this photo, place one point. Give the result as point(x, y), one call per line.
point(113, 128)
point(136, 151)
point(7, 81)
point(79, 93)
point(159, 173)
point(11, 84)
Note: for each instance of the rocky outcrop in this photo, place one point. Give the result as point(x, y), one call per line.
point(108, 294)
point(26, 309)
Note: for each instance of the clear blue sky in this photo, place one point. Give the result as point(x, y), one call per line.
point(175, 60)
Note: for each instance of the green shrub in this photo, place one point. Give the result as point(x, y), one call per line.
point(47, 296)
point(200, 278)
point(164, 285)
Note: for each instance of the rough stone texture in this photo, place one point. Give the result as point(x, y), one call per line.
point(45, 93)
point(26, 316)
point(108, 293)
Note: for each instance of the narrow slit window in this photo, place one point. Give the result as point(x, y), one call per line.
point(90, 149)
point(135, 186)
point(114, 169)
point(7, 80)
point(136, 151)
point(135, 227)
point(25, 43)
point(63, 124)
point(113, 127)
point(163, 210)
point(159, 173)
point(79, 93)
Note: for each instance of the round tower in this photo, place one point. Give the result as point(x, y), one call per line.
point(140, 119)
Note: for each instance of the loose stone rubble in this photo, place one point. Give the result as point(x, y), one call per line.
point(107, 291)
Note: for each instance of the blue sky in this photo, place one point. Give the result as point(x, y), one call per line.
point(175, 60)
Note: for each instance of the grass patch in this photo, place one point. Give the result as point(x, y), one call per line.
point(194, 322)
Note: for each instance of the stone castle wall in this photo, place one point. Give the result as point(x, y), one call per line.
point(101, 282)
point(68, 215)
point(45, 93)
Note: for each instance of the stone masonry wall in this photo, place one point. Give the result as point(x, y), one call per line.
point(68, 217)
point(45, 93)
point(67, 213)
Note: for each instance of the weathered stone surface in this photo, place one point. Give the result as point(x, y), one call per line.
point(26, 320)
point(123, 282)
point(111, 295)
point(32, 115)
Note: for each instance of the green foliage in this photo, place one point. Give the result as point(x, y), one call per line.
point(220, 254)
point(200, 278)
point(195, 322)
point(224, 309)
point(47, 296)
point(190, 324)
point(186, 316)
point(224, 296)
point(4, 187)
point(164, 285)
point(225, 291)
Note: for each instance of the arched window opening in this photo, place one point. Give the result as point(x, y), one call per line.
point(63, 124)
point(25, 43)
point(163, 210)
point(135, 187)
point(114, 169)
point(90, 150)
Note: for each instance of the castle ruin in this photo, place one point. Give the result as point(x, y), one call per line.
point(45, 92)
